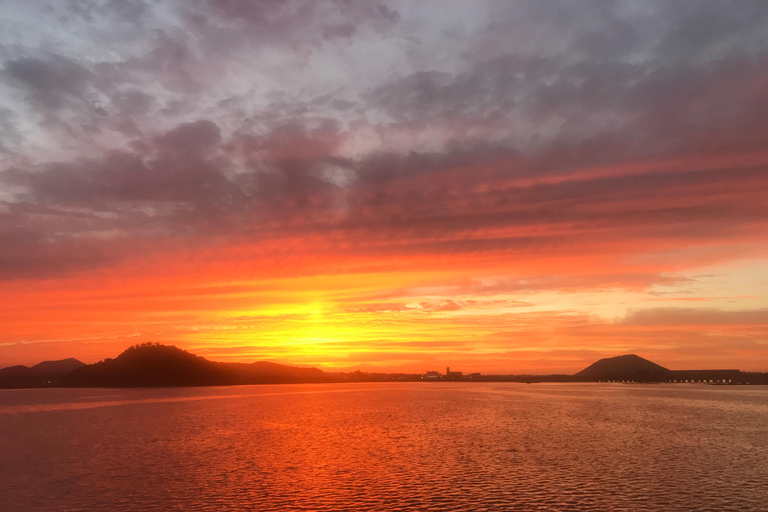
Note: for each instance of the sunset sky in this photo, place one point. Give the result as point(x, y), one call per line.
point(502, 187)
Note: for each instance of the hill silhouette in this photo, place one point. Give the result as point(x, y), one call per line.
point(626, 367)
point(263, 372)
point(152, 365)
point(45, 374)
point(155, 365)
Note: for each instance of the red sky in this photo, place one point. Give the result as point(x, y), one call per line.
point(501, 187)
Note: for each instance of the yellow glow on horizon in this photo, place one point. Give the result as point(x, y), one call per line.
point(400, 320)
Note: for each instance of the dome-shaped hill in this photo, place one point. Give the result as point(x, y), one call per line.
point(628, 366)
point(152, 365)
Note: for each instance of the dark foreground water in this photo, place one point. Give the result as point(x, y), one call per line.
point(432, 446)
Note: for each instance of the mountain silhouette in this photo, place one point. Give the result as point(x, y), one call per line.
point(60, 367)
point(263, 372)
point(155, 365)
point(45, 374)
point(626, 367)
point(152, 365)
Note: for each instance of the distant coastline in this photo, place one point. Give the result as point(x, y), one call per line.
point(155, 365)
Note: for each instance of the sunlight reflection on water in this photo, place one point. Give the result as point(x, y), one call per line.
point(436, 446)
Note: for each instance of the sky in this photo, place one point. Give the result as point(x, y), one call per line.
point(499, 187)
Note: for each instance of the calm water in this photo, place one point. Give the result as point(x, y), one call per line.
point(436, 446)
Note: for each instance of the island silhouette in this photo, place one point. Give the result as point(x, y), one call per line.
point(622, 367)
point(157, 365)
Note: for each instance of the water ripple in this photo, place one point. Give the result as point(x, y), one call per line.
point(398, 447)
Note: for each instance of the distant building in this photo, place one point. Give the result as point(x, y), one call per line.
point(432, 376)
point(449, 375)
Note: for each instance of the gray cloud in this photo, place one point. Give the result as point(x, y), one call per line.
point(392, 130)
point(48, 84)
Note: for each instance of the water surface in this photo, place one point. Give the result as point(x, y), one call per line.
point(414, 446)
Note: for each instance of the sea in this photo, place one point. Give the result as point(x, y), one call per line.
point(443, 446)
